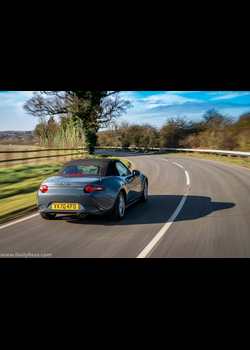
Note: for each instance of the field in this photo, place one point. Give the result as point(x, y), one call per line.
point(15, 148)
point(28, 158)
point(19, 186)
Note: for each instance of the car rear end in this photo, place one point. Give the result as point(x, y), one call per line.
point(74, 194)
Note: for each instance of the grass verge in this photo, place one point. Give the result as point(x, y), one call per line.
point(19, 186)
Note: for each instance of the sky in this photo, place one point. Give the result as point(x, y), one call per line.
point(152, 107)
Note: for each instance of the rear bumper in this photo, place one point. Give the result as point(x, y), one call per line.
point(91, 205)
point(74, 212)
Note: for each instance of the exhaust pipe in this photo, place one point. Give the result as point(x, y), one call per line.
point(81, 215)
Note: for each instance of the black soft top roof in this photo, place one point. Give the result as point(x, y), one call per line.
point(108, 167)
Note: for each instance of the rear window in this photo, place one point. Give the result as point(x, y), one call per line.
point(83, 170)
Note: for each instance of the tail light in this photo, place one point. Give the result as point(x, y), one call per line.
point(89, 189)
point(43, 188)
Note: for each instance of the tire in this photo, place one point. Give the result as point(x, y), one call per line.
point(47, 216)
point(144, 196)
point(119, 209)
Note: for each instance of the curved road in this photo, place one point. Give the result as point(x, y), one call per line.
point(196, 208)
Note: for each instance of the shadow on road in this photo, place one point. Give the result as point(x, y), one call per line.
point(159, 209)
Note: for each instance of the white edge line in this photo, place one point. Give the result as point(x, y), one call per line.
point(16, 222)
point(163, 159)
point(188, 179)
point(178, 165)
point(160, 234)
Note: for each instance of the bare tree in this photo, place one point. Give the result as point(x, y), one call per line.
point(111, 108)
point(47, 103)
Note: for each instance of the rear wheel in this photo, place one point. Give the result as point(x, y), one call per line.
point(119, 209)
point(47, 216)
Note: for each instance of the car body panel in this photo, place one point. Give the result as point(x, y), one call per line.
point(134, 185)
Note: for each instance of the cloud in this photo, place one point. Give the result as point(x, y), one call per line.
point(194, 107)
point(165, 99)
point(181, 92)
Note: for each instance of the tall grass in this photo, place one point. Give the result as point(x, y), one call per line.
point(71, 136)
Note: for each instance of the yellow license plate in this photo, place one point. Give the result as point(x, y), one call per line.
point(65, 206)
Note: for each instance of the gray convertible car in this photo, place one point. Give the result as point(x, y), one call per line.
point(91, 187)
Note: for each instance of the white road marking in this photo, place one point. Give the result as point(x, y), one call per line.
point(188, 179)
point(163, 159)
point(16, 222)
point(159, 235)
point(178, 165)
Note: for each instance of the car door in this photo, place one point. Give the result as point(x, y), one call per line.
point(132, 183)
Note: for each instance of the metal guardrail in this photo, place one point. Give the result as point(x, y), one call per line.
point(211, 151)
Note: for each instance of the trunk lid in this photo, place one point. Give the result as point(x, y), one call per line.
point(71, 180)
point(64, 185)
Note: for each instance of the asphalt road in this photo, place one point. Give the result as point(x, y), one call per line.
point(196, 209)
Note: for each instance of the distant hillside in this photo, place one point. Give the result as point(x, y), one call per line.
point(18, 138)
point(8, 135)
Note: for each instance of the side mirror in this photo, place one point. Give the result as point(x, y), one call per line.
point(136, 173)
